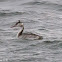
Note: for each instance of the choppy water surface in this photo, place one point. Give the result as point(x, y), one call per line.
point(43, 17)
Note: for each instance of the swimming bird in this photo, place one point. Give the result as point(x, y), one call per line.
point(25, 35)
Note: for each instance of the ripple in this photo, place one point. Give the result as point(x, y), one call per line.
point(35, 3)
point(42, 3)
point(11, 13)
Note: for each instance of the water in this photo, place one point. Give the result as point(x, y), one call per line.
point(43, 17)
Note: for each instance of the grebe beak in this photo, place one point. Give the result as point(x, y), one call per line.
point(13, 26)
point(20, 25)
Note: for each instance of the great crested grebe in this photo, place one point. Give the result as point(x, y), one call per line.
point(26, 35)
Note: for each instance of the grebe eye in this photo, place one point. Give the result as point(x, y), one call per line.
point(18, 21)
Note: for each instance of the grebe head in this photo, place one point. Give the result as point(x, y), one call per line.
point(18, 24)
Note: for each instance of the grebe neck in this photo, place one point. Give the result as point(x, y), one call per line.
point(20, 33)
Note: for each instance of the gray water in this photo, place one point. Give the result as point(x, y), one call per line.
point(42, 17)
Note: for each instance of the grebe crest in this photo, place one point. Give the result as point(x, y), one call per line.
point(26, 35)
point(19, 24)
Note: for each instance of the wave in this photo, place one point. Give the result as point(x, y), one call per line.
point(34, 3)
point(11, 13)
point(3, 0)
point(47, 3)
point(40, 3)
